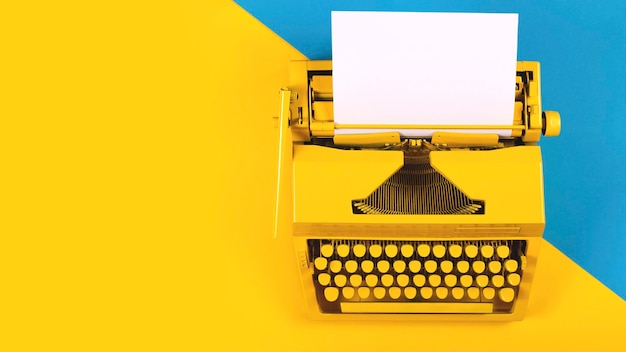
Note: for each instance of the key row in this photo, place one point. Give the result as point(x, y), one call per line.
point(419, 280)
point(423, 250)
point(331, 294)
point(414, 266)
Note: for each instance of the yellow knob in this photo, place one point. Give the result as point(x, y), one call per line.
point(551, 123)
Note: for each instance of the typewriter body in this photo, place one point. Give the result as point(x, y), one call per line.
point(441, 227)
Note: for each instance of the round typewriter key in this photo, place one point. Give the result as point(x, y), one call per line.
point(446, 266)
point(426, 292)
point(434, 280)
point(351, 266)
point(367, 266)
point(419, 280)
point(503, 251)
point(359, 250)
point(489, 292)
point(399, 266)
point(473, 292)
point(320, 263)
point(331, 294)
point(348, 292)
point(410, 292)
point(486, 251)
point(379, 292)
point(511, 265)
point(441, 292)
point(497, 280)
point(462, 266)
point(466, 281)
point(371, 280)
point(495, 266)
point(343, 250)
point(323, 279)
point(364, 292)
point(340, 280)
point(439, 250)
point(506, 294)
point(395, 292)
point(391, 250)
point(458, 293)
point(402, 280)
point(450, 280)
point(327, 250)
point(382, 266)
point(415, 266)
point(386, 280)
point(430, 266)
point(514, 279)
point(423, 250)
point(471, 251)
point(455, 250)
point(356, 280)
point(482, 280)
point(376, 250)
point(478, 266)
point(406, 250)
point(335, 266)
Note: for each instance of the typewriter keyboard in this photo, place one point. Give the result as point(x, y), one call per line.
point(380, 276)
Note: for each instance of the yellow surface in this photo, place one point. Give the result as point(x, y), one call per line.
point(138, 161)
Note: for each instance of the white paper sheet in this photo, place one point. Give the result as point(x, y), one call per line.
point(412, 68)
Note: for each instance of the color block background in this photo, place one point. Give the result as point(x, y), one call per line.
point(138, 159)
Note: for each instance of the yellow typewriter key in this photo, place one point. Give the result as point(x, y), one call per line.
point(455, 250)
point(359, 250)
point(503, 251)
point(441, 292)
point(351, 266)
point(462, 266)
point(323, 279)
point(482, 280)
point(364, 292)
point(511, 265)
point(348, 292)
point(386, 280)
point(419, 280)
point(335, 266)
point(399, 266)
point(327, 250)
point(434, 280)
point(356, 280)
point(371, 280)
point(514, 279)
point(439, 250)
point(489, 292)
point(415, 266)
point(458, 293)
point(367, 266)
point(343, 250)
point(466, 280)
point(430, 266)
point(450, 280)
point(383, 266)
point(410, 292)
point(497, 280)
point(395, 292)
point(402, 280)
point(391, 250)
point(473, 292)
point(506, 294)
point(478, 266)
point(471, 251)
point(406, 250)
point(426, 292)
point(446, 266)
point(340, 280)
point(331, 294)
point(486, 251)
point(379, 292)
point(423, 250)
point(495, 266)
point(320, 263)
point(376, 250)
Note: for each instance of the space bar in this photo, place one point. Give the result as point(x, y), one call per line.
point(415, 307)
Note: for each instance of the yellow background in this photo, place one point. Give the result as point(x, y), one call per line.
point(138, 168)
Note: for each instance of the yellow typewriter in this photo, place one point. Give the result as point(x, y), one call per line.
point(443, 227)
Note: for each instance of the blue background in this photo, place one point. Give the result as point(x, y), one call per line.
point(582, 49)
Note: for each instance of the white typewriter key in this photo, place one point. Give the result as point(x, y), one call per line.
point(455, 250)
point(478, 266)
point(395, 292)
point(441, 292)
point(415, 266)
point(371, 280)
point(514, 279)
point(486, 251)
point(466, 280)
point(391, 250)
point(495, 266)
point(506, 294)
point(320, 263)
point(323, 279)
point(376, 250)
point(439, 250)
point(367, 266)
point(364, 292)
point(489, 292)
point(386, 280)
point(497, 280)
point(359, 250)
point(356, 280)
point(423, 250)
point(482, 280)
point(399, 266)
point(426, 292)
point(434, 280)
point(458, 293)
point(343, 250)
point(340, 280)
point(351, 266)
point(430, 266)
point(462, 266)
point(471, 251)
point(335, 266)
point(511, 265)
point(446, 266)
point(410, 292)
point(348, 292)
point(327, 250)
point(402, 280)
point(331, 293)
point(503, 251)
point(379, 292)
point(419, 280)
point(450, 280)
point(473, 292)
point(406, 250)
point(383, 266)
